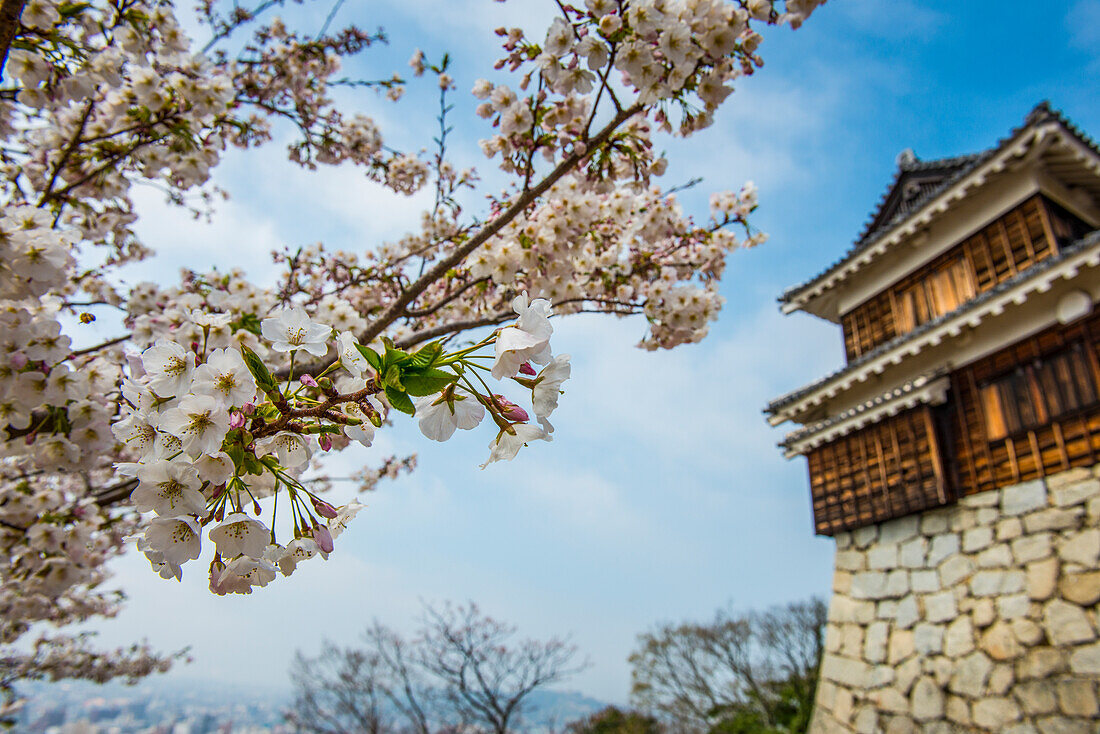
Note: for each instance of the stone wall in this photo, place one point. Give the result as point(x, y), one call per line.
point(979, 617)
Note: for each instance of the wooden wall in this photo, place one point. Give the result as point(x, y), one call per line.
point(1013, 242)
point(1026, 411)
point(890, 469)
point(1054, 378)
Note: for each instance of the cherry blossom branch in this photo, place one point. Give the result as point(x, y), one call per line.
point(437, 271)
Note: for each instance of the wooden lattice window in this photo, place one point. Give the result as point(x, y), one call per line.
point(886, 470)
point(938, 293)
point(1038, 393)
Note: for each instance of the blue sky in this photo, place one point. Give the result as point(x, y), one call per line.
point(663, 496)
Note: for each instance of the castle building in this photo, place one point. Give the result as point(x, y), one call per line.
point(955, 456)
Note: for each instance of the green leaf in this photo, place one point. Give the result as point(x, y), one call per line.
point(394, 356)
point(426, 355)
point(428, 382)
point(392, 378)
point(372, 357)
point(400, 401)
point(259, 370)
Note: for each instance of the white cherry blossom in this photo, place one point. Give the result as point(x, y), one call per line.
point(440, 416)
point(198, 422)
point(528, 340)
point(169, 367)
point(177, 539)
point(509, 441)
point(238, 534)
point(225, 377)
point(169, 489)
point(292, 329)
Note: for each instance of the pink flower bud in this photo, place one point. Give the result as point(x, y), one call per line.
point(324, 509)
point(527, 369)
point(256, 506)
point(236, 419)
point(323, 538)
point(308, 381)
point(326, 442)
point(18, 360)
point(248, 408)
point(510, 410)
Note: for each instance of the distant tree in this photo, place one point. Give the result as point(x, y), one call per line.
point(735, 675)
point(612, 720)
point(463, 670)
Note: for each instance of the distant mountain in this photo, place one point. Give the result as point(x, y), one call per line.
point(554, 709)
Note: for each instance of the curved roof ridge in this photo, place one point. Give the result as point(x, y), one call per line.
point(1042, 112)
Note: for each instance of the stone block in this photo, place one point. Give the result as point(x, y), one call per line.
point(889, 700)
point(851, 640)
point(1066, 624)
point(842, 582)
point(846, 671)
point(866, 721)
point(897, 584)
point(976, 539)
point(1062, 725)
point(901, 646)
point(1077, 697)
point(1042, 662)
point(908, 612)
point(851, 560)
point(993, 582)
point(882, 557)
point(1000, 644)
point(1009, 528)
point(981, 499)
point(911, 553)
point(924, 582)
point(1077, 475)
point(928, 638)
point(869, 585)
point(881, 675)
point(843, 540)
point(983, 613)
point(908, 672)
point(957, 710)
point(995, 556)
point(934, 523)
point(1021, 498)
point(942, 547)
point(1000, 680)
point(963, 518)
point(1042, 578)
point(874, 643)
point(1013, 606)
point(1054, 518)
point(863, 537)
point(1036, 697)
point(926, 700)
point(971, 674)
point(1081, 588)
point(842, 706)
point(1085, 660)
point(1031, 548)
point(940, 607)
point(843, 609)
point(995, 712)
point(1083, 548)
point(958, 639)
point(1075, 494)
point(1027, 632)
point(955, 569)
point(899, 529)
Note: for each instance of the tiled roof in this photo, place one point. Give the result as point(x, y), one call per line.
point(890, 396)
point(952, 170)
point(1084, 243)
